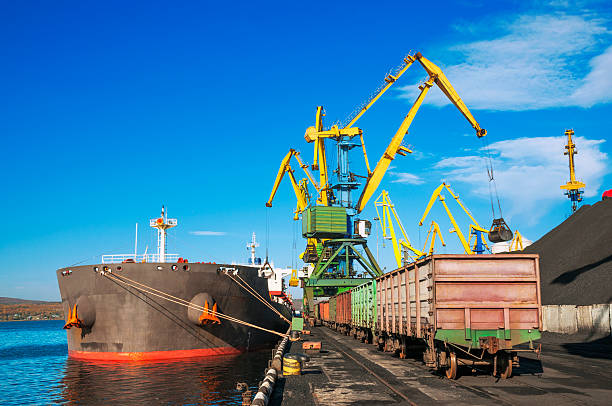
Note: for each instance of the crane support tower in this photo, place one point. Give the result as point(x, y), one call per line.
point(573, 189)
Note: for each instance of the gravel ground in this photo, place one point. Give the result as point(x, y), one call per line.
point(574, 370)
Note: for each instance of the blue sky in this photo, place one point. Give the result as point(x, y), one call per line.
point(111, 110)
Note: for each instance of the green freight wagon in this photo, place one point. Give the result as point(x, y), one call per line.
point(363, 308)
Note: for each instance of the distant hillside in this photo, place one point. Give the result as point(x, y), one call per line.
point(22, 309)
point(13, 300)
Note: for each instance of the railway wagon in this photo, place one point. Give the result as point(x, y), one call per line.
point(343, 312)
point(317, 314)
point(324, 312)
point(363, 309)
point(332, 312)
point(467, 309)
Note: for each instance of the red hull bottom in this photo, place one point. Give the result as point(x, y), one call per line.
point(152, 355)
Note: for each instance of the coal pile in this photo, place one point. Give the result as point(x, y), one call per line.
point(576, 258)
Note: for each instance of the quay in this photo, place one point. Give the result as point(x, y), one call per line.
point(573, 370)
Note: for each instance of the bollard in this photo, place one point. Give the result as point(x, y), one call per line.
point(291, 365)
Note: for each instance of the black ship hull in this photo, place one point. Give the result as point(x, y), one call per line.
point(122, 311)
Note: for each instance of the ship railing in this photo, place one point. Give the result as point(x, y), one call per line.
point(169, 222)
point(120, 258)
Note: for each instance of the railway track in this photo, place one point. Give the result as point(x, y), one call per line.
point(559, 386)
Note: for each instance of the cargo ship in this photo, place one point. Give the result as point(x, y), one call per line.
point(161, 306)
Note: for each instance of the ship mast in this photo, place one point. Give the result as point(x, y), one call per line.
point(252, 245)
point(162, 224)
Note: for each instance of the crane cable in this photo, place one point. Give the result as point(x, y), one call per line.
point(267, 233)
point(182, 302)
point(490, 173)
point(243, 284)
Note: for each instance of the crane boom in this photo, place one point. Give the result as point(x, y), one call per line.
point(390, 80)
point(305, 168)
point(394, 148)
point(386, 222)
point(285, 167)
point(446, 87)
point(474, 228)
point(466, 245)
point(432, 200)
point(279, 176)
point(435, 76)
point(434, 230)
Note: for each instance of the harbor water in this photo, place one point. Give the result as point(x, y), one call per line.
point(35, 370)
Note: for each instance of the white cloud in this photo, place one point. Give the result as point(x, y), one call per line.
point(420, 155)
point(529, 171)
point(407, 178)
point(597, 85)
point(540, 61)
point(210, 233)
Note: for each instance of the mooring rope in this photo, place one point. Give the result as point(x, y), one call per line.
point(256, 294)
point(182, 302)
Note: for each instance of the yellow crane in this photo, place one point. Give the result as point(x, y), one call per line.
point(434, 230)
point(574, 189)
point(333, 258)
point(317, 134)
point(517, 242)
point(386, 215)
point(475, 229)
point(300, 189)
point(436, 76)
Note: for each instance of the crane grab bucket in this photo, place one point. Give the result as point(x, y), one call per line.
point(499, 231)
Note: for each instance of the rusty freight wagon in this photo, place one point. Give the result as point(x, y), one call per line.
point(467, 309)
point(324, 312)
point(343, 312)
point(331, 317)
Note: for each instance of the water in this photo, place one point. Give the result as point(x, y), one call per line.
point(35, 370)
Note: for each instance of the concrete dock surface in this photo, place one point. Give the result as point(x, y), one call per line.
point(574, 370)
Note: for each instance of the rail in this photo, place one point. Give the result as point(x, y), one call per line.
point(120, 258)
point(169, 222)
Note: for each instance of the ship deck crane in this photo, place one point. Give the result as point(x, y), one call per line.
point(475, 229)
point(574, 189)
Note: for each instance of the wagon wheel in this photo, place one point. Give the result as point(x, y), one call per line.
point(505, 366)
point(451, 370)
